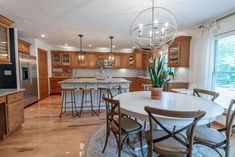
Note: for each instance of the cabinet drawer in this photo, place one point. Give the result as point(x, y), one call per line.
point(2, 99)
point(14, 97)
point(15, 121)
point(15, 108)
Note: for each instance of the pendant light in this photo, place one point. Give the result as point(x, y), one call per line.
point(153, 29)
point(81, 55)
point(111, 56)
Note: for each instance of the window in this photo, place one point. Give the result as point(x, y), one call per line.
point(224, 73)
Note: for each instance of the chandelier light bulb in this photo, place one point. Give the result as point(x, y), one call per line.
point(156, 21)
point(166, 24)
point(150, 34)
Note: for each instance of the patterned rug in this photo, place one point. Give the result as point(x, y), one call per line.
point(96, 143)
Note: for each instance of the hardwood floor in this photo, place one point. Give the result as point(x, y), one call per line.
point(44, 134)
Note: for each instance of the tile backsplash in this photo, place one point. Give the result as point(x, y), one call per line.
point(110, 72)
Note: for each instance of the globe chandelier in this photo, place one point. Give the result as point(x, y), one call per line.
point(153, 29)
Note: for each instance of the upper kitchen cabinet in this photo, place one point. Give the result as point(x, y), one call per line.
point(5, 23)
point(118, 61)
point(23, 46)
point(61, 59)
point(138, 60)
point(179, 51)
point(66, 59)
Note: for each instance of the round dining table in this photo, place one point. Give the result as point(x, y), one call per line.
point(133, 103)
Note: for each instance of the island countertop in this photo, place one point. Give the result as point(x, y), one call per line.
point(94, 80)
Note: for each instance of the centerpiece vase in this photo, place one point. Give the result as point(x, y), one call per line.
point(156, 93)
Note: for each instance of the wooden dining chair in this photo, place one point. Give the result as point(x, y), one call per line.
point(198, 92)
point(170, 142)
point(218, 138)
point(120, 125)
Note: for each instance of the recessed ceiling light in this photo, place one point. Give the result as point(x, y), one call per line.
point(133, 47)
point(43, 35)
point(90, 45)
point(113, 46)
point(66, 44)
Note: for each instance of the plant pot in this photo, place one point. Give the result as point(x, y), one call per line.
point(156, 93)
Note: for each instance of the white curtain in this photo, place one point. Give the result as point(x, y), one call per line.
point(206, 56)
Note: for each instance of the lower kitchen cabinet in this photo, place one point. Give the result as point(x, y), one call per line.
point(55, 86)
point(11, 112)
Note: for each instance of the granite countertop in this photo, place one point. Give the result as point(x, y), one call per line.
point(5, 92)
point(94, 80)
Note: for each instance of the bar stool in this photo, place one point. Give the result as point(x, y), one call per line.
point(103, 90)
point(72, 101)
point(85, 92)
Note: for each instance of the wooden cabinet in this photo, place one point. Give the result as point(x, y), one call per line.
point(118, 61)
point(172, 85)
point(61, 59)
point(138, 60)
point(55, 59)
point(5, 23)
point(55, 86)
point(91, 60)
point(23, 46)
point(179, 51)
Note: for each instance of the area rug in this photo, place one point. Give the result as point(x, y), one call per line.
point(96, 142)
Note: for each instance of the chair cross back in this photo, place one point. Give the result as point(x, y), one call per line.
point(196, 116)
point(198, 92)
point(112, 109)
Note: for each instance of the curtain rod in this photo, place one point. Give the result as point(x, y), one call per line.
point(224, 17)
point(221, 18)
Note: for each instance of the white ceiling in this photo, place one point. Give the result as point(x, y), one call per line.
point(62, 20)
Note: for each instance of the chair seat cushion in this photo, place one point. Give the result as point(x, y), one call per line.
point(208, 135)
point(127, 125)
point(169, 145)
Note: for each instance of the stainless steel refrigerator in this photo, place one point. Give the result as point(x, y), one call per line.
point(28, 78)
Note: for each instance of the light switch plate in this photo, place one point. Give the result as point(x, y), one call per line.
point(7, 72)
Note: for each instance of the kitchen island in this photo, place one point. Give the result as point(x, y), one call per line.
point(95, 84)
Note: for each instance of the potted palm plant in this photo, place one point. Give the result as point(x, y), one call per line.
point(158, 77)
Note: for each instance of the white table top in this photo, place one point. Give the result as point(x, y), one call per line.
point(133, 104)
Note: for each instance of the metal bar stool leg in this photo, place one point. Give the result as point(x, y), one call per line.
point(92, 110)
point(83, 93)
point(62, 105)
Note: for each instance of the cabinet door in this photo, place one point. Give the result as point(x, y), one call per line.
point(173, 55)
point(118, 61)
point(4, 45)
point(66, 59)
point(125, 61)
point(56, 59)
point(91, 60)
point(139, 60)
